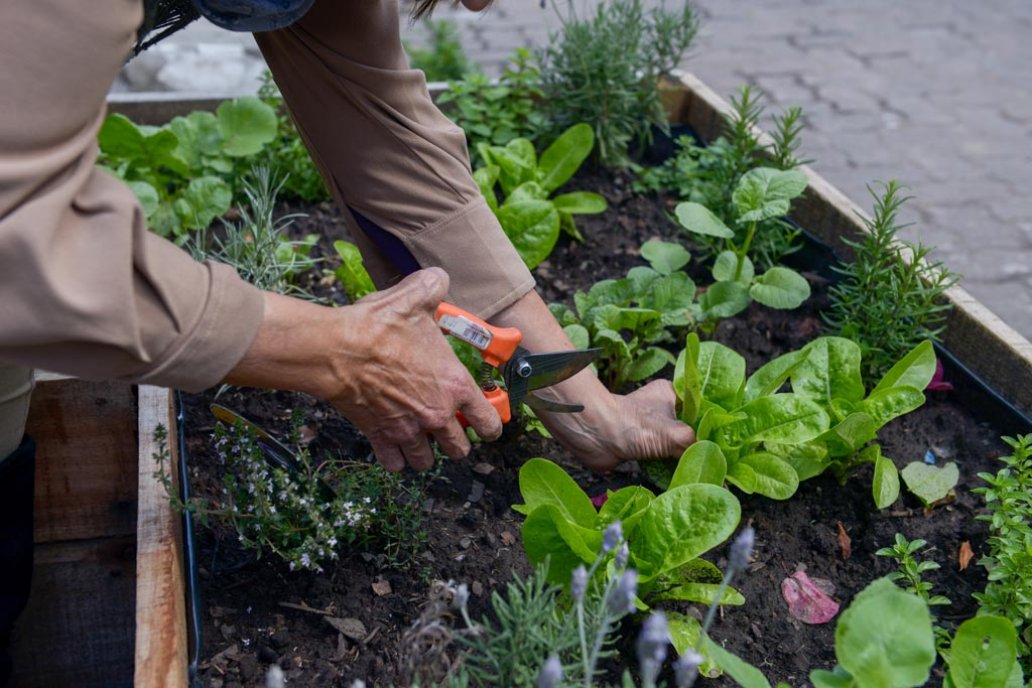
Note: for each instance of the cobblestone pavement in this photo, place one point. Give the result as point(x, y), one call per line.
point(933, 93)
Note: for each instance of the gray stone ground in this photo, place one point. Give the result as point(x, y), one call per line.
point(933, 93)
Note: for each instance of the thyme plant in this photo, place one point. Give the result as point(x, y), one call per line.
point(1008, 497)
point(605, 71)
point(890, 297)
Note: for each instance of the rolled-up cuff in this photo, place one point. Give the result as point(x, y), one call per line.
point(487, 274)
point(227, 327)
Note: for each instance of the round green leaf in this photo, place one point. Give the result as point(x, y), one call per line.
point(930, 483)
point(699, 219)
point(580, 203)
point(665, 257)
point(564, 157)
point(204, 199)
point(726, 264)
point(147, 195)
point(780, 288)
point(702, 462)
point(765, 474)
point(544, 483)
point(724, 300)
point(533, 228)
point(983, 653)
point(885, 487)
point(781, 418)
point(246, 125)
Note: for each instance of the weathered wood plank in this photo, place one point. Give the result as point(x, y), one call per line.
point(990, 348)
point(77, 629)
point(86, 459)
point(161, 637)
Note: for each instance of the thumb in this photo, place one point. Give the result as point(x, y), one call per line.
point(423, 289)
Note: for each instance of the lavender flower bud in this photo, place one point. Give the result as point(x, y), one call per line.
point(579, 583)
point(460, 596)
point(621, 599)
point(622, 555)
point(686, 669)
point(652, 647)
point(551, 673)
point(612, 537)
point(741, 550)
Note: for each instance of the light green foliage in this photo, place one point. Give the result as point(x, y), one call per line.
point(530, 218)
point(287, 154)
point(257, 246)
point(911, 570)
point(604, 70)
point(883, 640)
point(629, 318)
point(185, 173)
point(309, 515)
point(444, 59)
point(930, 483)
point(709, 175)
point(891, 294)
point(352, 273)
point(1008, 497)
point(984, 654)
point(496, 112)
point(665, 534)
point(769, 440)
point(761, 194)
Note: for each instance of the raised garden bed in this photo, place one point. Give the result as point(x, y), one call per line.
point(108, 602)
point(258, 612)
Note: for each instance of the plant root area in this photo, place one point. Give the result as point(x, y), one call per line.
point(256, 612)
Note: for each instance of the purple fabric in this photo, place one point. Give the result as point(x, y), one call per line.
point(390, 246)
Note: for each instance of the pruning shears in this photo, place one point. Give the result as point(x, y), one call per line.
point(522, 371)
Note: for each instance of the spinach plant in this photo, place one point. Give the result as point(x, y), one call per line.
point(665, 534)
point(629, 318)
point(1008, 497)
point(531, 219)
point(762, 193)
point(184, 173)
point(709, 174)
point(766, 441)
point(891, 294)
point(605, 70)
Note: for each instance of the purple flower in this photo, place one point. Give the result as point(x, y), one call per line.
point(652, 647)
point(741, 550)
point(621, 599)
point(622, 555)
point(686, 669)
point(612, 538)
point(579, 583)
point(551, 673)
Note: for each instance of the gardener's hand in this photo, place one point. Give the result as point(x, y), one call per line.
point(404, 380)
point(383, 362)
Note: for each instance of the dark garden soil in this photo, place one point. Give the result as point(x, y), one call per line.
point(257, 612)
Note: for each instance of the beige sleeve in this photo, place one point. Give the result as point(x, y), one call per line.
point(387, 151)
point(85, 289)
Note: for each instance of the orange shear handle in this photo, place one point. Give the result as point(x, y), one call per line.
point(496, 344)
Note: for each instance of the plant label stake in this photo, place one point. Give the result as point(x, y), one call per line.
point(522, 371)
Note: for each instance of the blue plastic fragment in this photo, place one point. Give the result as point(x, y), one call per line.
point(929, 457)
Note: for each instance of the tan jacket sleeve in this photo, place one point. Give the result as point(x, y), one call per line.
point(84, 288)
point(386, 150)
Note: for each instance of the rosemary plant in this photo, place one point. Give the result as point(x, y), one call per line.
point(890, 298)
point(605, 71)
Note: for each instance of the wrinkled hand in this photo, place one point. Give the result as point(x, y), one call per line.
point(400, 379)
point(614, 428)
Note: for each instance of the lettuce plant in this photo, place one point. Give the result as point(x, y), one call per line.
point(665, 534)
point(184, 174)
point(628, 318)
point(531, 219)
point(761, 194)
point(766, 442)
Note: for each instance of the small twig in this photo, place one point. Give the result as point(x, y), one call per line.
point(305, 608)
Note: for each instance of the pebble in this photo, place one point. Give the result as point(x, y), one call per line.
point(476, 493)
point(483, 468)
point(477, 588)
point(465, 542)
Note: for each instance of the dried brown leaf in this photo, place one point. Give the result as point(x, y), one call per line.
point(965, 555)
point(844, 542)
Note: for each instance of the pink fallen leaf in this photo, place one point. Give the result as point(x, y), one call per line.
point(598, 500)
point(807, 599)
point(938, 382)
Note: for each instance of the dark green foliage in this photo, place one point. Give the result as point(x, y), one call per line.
point(605, 70)
point(708, 175)
point(444, 60)
point(891, 296)
point(496, 112)
point(1008, 498)
point(287, 154)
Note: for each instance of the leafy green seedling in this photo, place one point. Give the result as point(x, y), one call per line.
point(531, 219)
point(628, 318)
point(352, 273)
point(761, 194)
point(930, 483)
